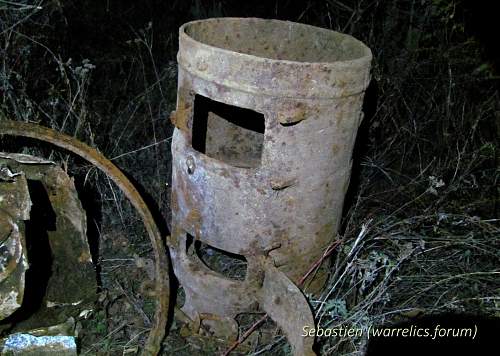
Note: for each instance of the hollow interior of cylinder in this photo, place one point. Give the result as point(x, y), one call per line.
point(275, 39)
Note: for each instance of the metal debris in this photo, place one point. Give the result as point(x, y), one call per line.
point(15, 207)
point(272, 194)
point(162, 286)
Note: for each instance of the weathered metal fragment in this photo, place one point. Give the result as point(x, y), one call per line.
point(14, 207)
point(266, 119)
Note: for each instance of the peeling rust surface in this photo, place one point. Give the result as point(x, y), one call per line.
point(162, 286)
point(275, 199)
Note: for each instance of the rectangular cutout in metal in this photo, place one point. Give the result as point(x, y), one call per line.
point(228, 133)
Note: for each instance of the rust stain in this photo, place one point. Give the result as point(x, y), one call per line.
point(335, 149)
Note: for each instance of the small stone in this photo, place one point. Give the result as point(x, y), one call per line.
point(29, 345)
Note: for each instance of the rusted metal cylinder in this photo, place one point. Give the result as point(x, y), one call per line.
point(266, 119)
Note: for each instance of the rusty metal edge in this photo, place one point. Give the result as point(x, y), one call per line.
point(360, 66)
point(162, 287)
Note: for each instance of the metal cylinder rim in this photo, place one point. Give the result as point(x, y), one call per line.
point(361, 60)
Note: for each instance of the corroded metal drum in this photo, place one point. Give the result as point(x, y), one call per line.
point(266, 119)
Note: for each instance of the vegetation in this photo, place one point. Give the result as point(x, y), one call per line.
point(421, 222)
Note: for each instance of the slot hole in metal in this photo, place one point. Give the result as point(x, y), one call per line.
point(228, 133)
